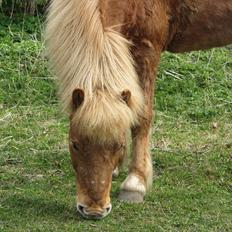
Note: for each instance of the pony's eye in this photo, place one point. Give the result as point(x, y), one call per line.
point(118, 147)
point(75, 146)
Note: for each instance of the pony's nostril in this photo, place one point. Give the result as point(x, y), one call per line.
point(108, 209)
point(81, 208)
point(93, 214)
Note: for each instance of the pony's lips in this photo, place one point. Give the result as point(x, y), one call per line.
point(94, 215)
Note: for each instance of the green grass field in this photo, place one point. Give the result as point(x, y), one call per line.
point(191, 144)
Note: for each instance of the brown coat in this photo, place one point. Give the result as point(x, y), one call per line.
point(175, 25)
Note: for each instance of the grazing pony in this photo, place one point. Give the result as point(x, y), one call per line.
point(105, 54)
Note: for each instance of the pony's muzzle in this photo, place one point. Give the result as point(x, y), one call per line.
point(93, 214)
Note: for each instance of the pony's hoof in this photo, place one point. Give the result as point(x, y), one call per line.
point(130, 196)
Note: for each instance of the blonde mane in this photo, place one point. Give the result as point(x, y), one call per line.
point(88, 56)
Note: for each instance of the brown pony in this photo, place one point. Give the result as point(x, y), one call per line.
point(105, 54)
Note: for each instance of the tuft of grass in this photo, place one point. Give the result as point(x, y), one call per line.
point(191, 144)
point(196, 85)
point(24, 76)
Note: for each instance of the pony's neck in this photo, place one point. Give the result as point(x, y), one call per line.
point(201, 25)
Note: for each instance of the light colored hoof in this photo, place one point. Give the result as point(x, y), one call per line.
point(131, 196)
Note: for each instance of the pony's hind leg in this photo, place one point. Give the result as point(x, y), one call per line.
point(139, 179)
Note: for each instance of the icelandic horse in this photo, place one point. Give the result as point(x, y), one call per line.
point(105, 54)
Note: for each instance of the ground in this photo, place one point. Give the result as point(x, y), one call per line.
point(191, 144)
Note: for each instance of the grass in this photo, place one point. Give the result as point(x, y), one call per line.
point(191, 144)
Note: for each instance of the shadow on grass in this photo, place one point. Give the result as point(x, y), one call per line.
point(33, 208)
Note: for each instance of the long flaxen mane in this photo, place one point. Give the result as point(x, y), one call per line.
point(97, 60)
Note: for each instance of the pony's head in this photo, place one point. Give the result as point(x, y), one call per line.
point(97, 145)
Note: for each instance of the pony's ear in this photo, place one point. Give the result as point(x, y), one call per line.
point(78, 97)
point(126, 96)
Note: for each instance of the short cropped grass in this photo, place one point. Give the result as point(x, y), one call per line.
point(191, 144)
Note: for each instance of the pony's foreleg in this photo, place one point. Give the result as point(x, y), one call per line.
point(139, 179)
point(140, 175)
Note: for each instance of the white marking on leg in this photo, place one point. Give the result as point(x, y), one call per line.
point(133, 183)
